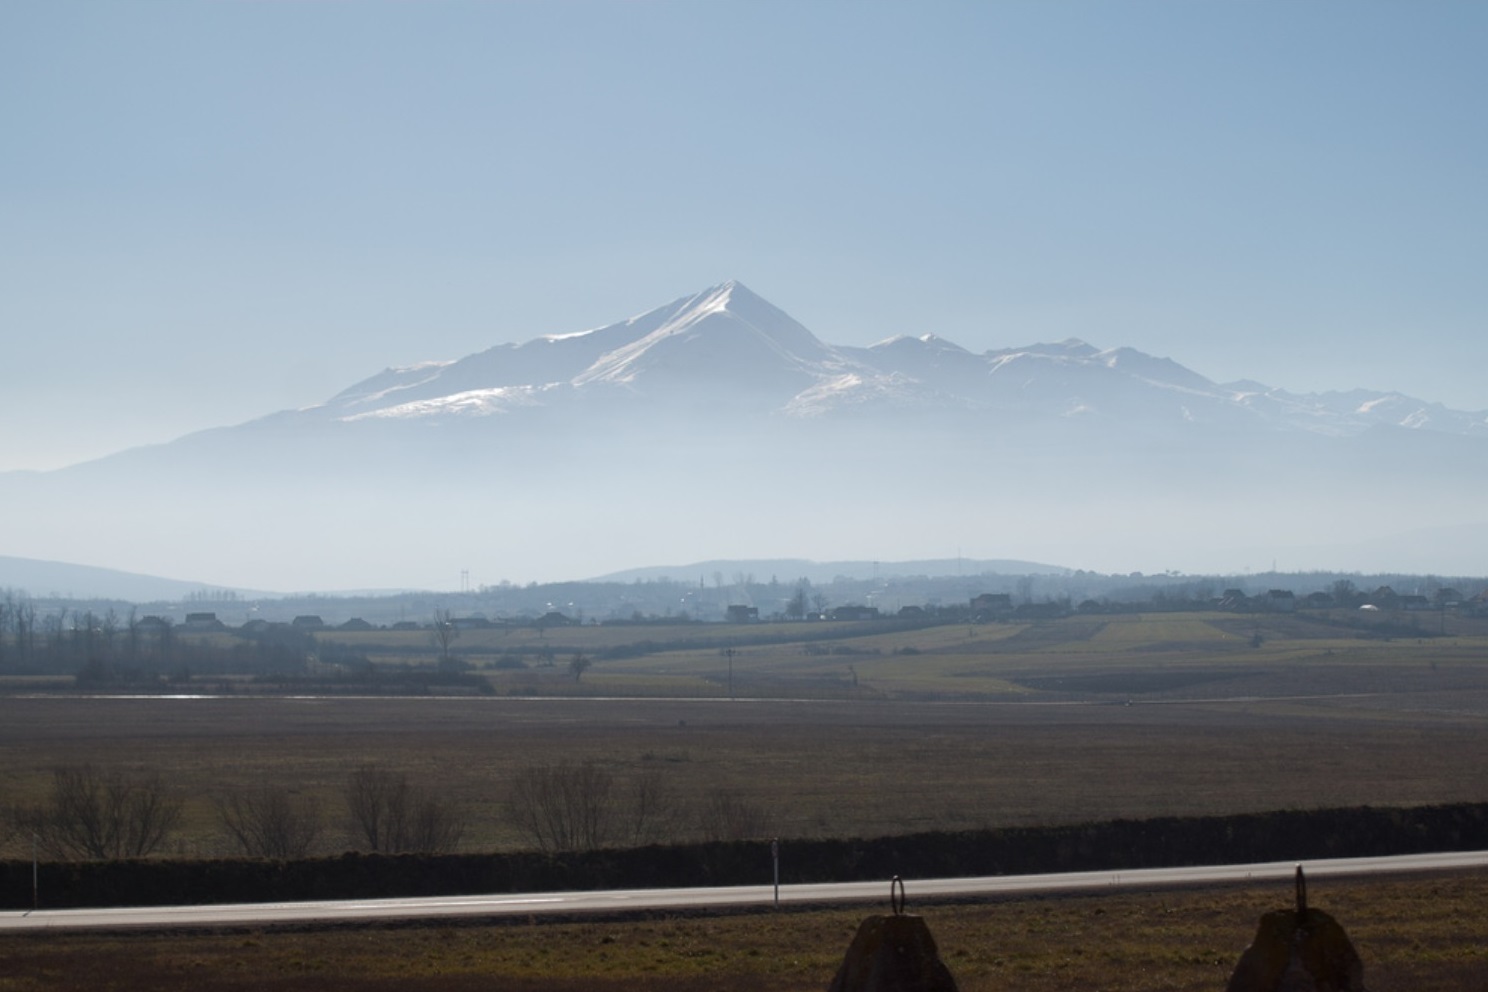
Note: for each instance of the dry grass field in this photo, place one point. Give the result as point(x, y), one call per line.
point(871, 732)
point(950, 727)
point(1414, 935)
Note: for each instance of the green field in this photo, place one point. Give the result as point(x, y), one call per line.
point(1263, 653)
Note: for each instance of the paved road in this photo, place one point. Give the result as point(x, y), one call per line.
point(630, 900)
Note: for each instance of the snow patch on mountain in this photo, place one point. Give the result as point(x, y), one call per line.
point(471, 403)
point(386, 385)
point(895, 391)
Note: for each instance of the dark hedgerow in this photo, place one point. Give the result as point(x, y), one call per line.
point(1118, 844)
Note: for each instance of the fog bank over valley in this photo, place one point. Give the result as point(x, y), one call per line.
point(717, 426)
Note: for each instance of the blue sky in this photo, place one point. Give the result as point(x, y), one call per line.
point(210, 211)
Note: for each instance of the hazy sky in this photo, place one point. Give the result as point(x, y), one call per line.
point(211, 211)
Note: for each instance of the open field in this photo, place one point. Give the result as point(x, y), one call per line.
point(874, 732)
point(1265, 654)
point(1424, 935)
point(867, 729)
point(820, 768)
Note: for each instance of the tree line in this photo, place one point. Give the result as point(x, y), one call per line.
point(108, 648)
point(91, 813)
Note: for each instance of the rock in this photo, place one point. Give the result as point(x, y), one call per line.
point(893, 954)
point(1304, 950)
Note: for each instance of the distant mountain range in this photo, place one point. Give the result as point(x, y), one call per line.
point(60, 580)
point(719, 427)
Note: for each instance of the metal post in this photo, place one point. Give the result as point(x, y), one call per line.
point(35, 873)
point(775, 857)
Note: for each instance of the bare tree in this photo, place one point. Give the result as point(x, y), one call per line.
point(445, 634)
point(564, 806)
point(795, 607)
point(132, 636)
point(391, 815)
point(652, 814)
point(578, 665)
point(54, 628)
point(269, 823)
point(372, 795)
point(1344, 592)
point(25, 632)
point(98, 815)
point(728, 815)
point(1025, 589)
point(432, 825)
point(571, 806)
point(7, 606)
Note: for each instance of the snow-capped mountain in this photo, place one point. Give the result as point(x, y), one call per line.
point(718, 426)
point(730, 348)
point(724, 340)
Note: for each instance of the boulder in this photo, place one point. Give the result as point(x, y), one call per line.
point(1301, 950)
point(893, 954)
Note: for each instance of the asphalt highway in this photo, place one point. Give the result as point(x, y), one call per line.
point(635, 900)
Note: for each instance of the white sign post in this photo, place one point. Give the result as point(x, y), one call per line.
point(775, 857)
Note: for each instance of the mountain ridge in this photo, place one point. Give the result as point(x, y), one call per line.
point(40, 579)
point(728, 336)
point(718, 427)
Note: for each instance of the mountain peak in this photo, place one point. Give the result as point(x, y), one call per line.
point(725, 331)
point(733, 286)
point(730, 295)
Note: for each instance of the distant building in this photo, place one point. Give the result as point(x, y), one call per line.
point(1383, 598)
point(1234, 599)
point(470, 623)
point(307, 622)
point(742, 614)
point(1281, 601)
point(1041, 611)
point(991, 606)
